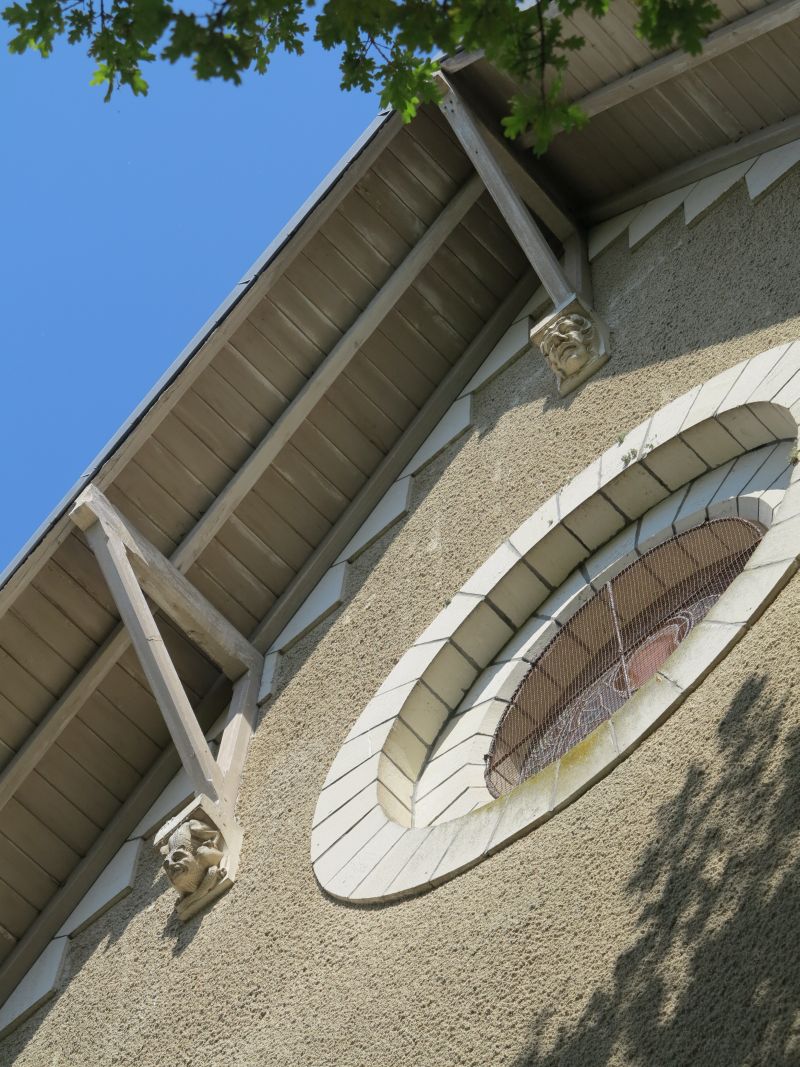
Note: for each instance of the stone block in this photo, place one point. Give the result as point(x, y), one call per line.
point(344, 788)
point(470, 842)
point(675, 464)
point(595, 521)
point(115, 882)
point(751, 593)
point(530, 532)
point(473, 625)
point(517, 596)
point(328, 831)
point(781, 542)
point(38, 985)
point(529, 640)
point(709, 190)
point(712, 442)
point(496, 567)
point(742, 424)
point(711, 396)
point(701, 492)
point(634, 491)
point(356, 751)
point(318, 605)
point(440, 804)
point(584, 764)
point(555, 556)
point(612, 558)
point(376, 884)
point(405, 749)
point(348, 846)
point(656, 525)
point(529, 805)
point(498, 682)
point(699, 653)
point(392, 506)
point(364, 861)
point(644, 711)
point(417, 874)
point(382, 708)
point(456, 421)
point(424, 713)
point(754, 374)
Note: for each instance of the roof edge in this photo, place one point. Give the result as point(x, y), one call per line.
point(217, 317)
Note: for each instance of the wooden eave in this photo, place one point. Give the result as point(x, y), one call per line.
point(277, 431)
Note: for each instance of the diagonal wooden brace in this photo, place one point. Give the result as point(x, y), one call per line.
point(132, 566)
point(572, 338)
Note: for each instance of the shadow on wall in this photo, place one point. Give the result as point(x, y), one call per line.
point(712, 978)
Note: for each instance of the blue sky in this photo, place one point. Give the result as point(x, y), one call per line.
point(123, 226)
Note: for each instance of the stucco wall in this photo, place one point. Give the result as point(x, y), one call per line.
point(656, 921)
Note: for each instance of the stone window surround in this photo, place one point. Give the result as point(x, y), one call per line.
point(362, 848)
point(749, 487)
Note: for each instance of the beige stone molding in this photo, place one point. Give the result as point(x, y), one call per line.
point(760, 173)
point(363, 846)
point(201, 844)
point(574, 341)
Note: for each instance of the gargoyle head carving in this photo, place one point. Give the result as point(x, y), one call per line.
point(568, 344)
point(192, 860)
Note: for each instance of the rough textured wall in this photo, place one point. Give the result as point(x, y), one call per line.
point(654, 922)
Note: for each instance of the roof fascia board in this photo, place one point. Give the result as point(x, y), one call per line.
point(693, 170)
point(175, 381)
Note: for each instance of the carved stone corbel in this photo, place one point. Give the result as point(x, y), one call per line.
point(574, 341)
point(201, 855)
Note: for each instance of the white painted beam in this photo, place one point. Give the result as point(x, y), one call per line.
point(164, 583)
point(528, 235)
point(156, 663)
point(237, 734)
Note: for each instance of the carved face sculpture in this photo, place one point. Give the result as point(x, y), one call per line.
point(193, 849)
point(568, 344)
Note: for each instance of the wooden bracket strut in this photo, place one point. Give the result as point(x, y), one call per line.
point(573, 338)
point(201, 844)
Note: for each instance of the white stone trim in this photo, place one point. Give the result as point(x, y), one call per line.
point(647, 476)
point(38, 986)
point(760, 173)
point(113, 884)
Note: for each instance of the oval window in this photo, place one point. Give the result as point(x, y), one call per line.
point(614, 644)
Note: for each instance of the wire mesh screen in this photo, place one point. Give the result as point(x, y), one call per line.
point(613, 645)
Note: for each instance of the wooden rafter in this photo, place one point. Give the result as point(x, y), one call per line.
point(520, 221)
point(104, 659)
point(743, 31)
